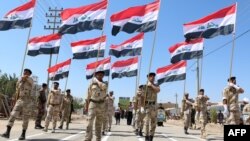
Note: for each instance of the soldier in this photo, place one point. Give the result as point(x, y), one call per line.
point(96, 96)
point(201, 102)
point(151, 91)
point(111, 109)
point(66, 109)
point(23, 96)
point(187, 104)
point(246, 112)
point(105, 116)
point(139, 104)
point(231, 93)
point(41, 101)
point(54, 102)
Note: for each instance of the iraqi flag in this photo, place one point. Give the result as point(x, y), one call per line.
point(59, 71)
point(221, 22)
point(186, 50)
point(136, 19)
point(83, 18)
point(125, 68)
point(131, 47)
point(172, 72)
point(86, 49)
point(44, 45)
point(102, 65)
point(19, 17)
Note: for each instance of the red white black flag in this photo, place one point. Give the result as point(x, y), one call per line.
point(102, 65)
point(59, 71)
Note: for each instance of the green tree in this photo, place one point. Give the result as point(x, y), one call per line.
point(77, 103)
point(8, 84)
point(213, 115)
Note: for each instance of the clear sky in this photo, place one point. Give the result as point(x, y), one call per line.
point(173, 14)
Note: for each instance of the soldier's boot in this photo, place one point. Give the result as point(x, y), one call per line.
point(151, 138)
point(22, 137)
point(53, 130)
point(45, 129)
point(67, 126)
point(60, 127)
point(136, 132)
point(109, 129)
point(146, 138)
point(140, 133)
point(7, 133)
point(185, 130)
point(103, 133)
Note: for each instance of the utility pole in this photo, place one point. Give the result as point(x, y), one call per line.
point(176, 105)
point(54, 21)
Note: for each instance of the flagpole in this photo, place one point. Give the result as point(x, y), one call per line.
point(66, 83)
point(27, 43)
point(197, 71)
point(201, 70)
point(233, 44)
point(152, 53)
point(184, 88)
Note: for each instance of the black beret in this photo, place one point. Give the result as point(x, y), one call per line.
point(28, 70)
point(151, 74)
point(99, 72)
point(68, 90)
point(56, 83)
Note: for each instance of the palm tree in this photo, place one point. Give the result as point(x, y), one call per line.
point(8, 84)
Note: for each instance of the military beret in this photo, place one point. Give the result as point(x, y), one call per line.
point(99, 72)
point(186, 94)
point(232, 78)
point(56, 83)
point(151, 74)
point(28, 70)
point(68, 90)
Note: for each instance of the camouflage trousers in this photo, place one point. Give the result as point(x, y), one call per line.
point(21, 106)
point(203, 122)
point(105, 121)
point(65, 116)
point(187, 118)
point(95, 113)
point(52, 114)
point(150, 120)
point(197, 119)
point(234, 118)
point(40, 114)
point(110, 119)
point(139, 123)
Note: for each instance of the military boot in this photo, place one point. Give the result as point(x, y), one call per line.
point(185, 130)
point(60, 127)
point(22, 137)
point(151, 138)
point(140, 133)
point(146, 138)
point(7, 133)
point(67, 126)
point(45, 129)
point(136, 132)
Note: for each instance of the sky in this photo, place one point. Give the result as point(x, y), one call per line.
point(173, 14)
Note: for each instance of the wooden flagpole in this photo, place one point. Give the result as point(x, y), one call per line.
point(198, 78)
point(66, 83)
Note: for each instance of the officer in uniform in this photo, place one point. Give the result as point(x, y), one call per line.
point(186, 109)
point(150, 91)
point(201, 102)
point(139, 114)
point(231, 93)
point(96, 97)
point(53, 105)
point(66, 109)
point(41, 101)
point(23, 93)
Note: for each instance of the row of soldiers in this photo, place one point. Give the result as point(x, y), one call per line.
point(55, 103)
point(146, 107)
point(231, 104)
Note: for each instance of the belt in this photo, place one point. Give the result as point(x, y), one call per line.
point(96, 101)
point(54, 104)
point(150, 102)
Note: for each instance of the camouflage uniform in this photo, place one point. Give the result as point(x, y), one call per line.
point(53, 108)
point(246, 113)
point(96, 96)
point(187, 113)
point(111, 111)
point(66, 109)
point(139, 114)
point(150, 119)
point(41, 101)
point(105, 116)
point(23, 102)
point(202, 104)
point(232, 96)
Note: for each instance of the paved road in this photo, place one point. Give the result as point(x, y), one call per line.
point(119, 133)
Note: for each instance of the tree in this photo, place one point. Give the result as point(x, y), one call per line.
point(77, 103)
point(213, 115)
point(8, 84)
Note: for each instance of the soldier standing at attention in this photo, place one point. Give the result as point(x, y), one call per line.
point(66, 109)
point(111, 109)
point(186, 109)
point(41, 102)
point(53, 105)
point(231, 93)
point(23, 96)
point(96, 96)
point(202, 104)
point(151, 91)
point(139, 110)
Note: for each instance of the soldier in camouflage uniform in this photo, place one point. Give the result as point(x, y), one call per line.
point(231, 93)
point(246, 112)
point(111, 109)
point(201, 102)
point(150, 93)
point(186, 111)
point(96, 96)
point(105, 116)
point(54, 102)
point(23, 93)
point(66, 109)
point(41, 102)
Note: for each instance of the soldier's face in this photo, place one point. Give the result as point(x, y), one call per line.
point(99, 76)
point(26, 73)
point(56, 86)
point(151, 78)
